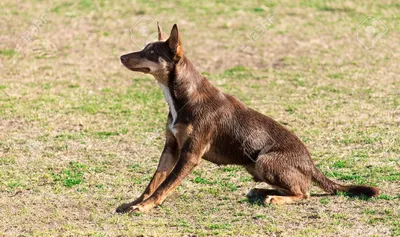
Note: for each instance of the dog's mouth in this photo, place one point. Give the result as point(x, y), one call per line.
point(140, 69)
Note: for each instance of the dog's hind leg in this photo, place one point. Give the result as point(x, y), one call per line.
point(260, 194)
point(251, 168)
point(273, 196)
point(285, 196)
point(291, 183)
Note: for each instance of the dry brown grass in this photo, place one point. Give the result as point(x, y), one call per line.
point(79, 134)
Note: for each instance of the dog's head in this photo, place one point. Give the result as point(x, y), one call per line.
point(157, 58)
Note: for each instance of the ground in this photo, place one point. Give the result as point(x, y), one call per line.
point(80, 134)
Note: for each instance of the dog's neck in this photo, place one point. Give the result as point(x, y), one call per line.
point(171, 104)
point(186, 87)
point(185, 79)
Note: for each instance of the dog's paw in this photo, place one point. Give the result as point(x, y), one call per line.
point(270, 200)
point(136, 209)
point(123, 208)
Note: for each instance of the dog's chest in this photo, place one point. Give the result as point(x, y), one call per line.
point(168, 98)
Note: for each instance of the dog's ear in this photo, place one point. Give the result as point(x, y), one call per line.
point(161, 35)
point(174, 43)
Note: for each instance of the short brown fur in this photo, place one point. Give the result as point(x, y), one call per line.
point(204, 122)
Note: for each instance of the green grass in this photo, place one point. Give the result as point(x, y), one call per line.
point(70, 176)
point(8, 52)
point(80, 134)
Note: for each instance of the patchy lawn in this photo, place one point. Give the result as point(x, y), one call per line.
point(80, 134)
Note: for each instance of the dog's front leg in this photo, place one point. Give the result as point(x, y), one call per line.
point(189, 158)
point(168, 160)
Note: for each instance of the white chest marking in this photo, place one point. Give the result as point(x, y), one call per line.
point(168, 98)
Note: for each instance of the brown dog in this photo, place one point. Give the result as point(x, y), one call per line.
point(205, 123)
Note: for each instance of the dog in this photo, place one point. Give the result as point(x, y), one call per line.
point(204, 122)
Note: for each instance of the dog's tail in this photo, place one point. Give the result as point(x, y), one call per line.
point(332, 187)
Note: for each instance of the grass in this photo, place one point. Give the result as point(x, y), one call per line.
point(70, 176)
point(80, 134)
point(8, 52)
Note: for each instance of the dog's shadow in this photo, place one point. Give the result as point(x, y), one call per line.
point(258, 198)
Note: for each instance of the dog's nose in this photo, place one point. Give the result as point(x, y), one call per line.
point(124, 58)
